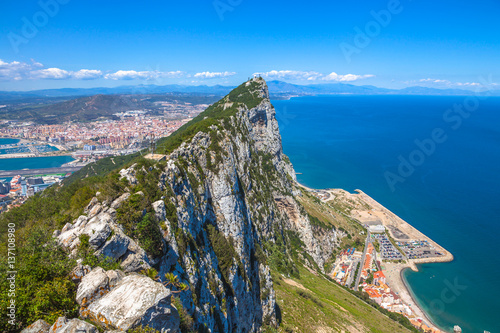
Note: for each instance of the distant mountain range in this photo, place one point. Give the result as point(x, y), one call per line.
point(277, 88)
point(53, 110)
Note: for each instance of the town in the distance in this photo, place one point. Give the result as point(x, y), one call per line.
point(126, 132)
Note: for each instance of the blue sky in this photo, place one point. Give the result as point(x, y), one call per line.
point(75, 43)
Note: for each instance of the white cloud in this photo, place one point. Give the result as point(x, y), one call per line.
point(16, 70)
point(130, 75)
point(51, 73)
point(435, 81)
point(311, 76)
point(470, 84)
point(213, 75)
point(87, 74)
point(290, 75)
point(143, 75)
point(449, 83)
point(345, 78)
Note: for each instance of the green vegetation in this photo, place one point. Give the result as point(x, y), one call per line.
point(331, 306)
point(356, 272)
point(42, 287)
point(187, 322)
point(284, 251)
point(225, 252)
point(173, 281)
point(149, 235)
point(317, 222)
point(135, 213)
point(143, 329)
point(102, 167)
point(86, 253)
point(328, 215)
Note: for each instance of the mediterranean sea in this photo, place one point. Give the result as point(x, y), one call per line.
point(436, 168)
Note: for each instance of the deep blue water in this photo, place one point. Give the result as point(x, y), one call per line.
point(452, 195)
point(8, 141)
point(33, 162)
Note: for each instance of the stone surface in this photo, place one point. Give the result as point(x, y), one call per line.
point(129, 174)
point(136, 300)
point(64, 325)
point(117, 203)
point(79, 272)
point(91, 204)
point(39, 326)
point(98, 231)
point(246, 200)
point(160, 211)
point(92, 287)
point(116, 246)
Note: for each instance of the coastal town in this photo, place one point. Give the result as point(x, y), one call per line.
point(85, 143)
point(392, 245)
point(103, 137)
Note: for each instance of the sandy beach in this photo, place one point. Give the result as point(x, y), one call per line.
point(368, 211)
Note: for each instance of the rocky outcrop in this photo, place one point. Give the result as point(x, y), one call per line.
point(39, 326)
point(135, 300)
point(106, 237)
point(64, 325)
point(96, 284)
point(129, 174)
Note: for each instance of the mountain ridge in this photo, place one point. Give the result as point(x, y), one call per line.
point(275, 86)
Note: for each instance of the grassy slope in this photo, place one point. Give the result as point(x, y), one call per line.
point(324, 304)
point(332, 213)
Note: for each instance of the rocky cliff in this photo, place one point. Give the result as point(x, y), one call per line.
point(219, 213)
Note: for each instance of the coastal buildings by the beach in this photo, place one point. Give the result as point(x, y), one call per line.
point(349, 264)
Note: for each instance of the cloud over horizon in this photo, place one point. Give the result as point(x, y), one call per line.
point(312, 76)
point(16, 71)
point(451, 84)
point(213, 75)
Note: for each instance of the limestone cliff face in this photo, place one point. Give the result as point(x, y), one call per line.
point(233, 192)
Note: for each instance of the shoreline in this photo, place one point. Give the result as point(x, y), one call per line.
point(368, 210)
point(412, 295)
